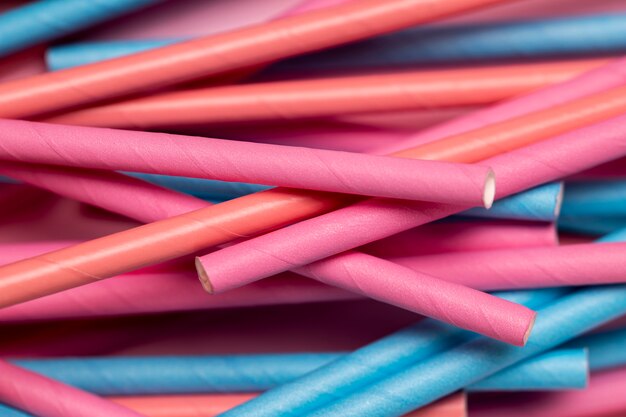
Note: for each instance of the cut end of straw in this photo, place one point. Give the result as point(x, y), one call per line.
point(559, 201)
point(489, 193)
point(529, 330)
point(203, 276)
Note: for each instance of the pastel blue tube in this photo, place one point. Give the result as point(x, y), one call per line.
point(561, 369)
point(212, 190)
point(606, 350)
point(616, 236)
point(539, 204)
point(75, 54)
point(562, 37)
point(593, 226)
point(371, 363)
point(449, 371)
point(45, 20)
point(179, 374)
point(595, 198)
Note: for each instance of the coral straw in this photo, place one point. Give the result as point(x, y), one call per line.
point(228, 160)
point(300, 99)
point(211, 55)
point(177, 236)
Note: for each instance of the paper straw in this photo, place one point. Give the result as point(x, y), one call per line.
point(45, 20)
point(212, 405)
point(604, 397)
point(594, 226)
point(541, 203)
point(211, 55)
point(111, 191)
point(45, 397)
point(595, 198)
point(557, 370)
point(569, 265)
point(457, 236)
point(453, 369)
point(374, 219)
point(220, 224)
point(327, 97)
point(606, 350)
point(370, 363)
point(227, 160)
point(556, 37)
point(427, 295)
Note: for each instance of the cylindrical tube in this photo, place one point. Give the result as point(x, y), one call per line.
point(327, 97)
point(211, 55)
point(606, 350)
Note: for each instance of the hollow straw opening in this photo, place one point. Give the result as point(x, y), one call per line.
point(203, 276)
point(529, 330)
point(489, 192)
point(559, 201)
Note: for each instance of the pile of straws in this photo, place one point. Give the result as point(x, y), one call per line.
point(323, 208)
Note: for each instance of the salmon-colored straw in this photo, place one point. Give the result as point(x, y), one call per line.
point(211, 55)
point(300, 99)
point(243, 217)
point(211, 405)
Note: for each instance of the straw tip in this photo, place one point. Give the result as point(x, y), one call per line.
point(203, 276)
point(529, 330)
point(559, 201)
point(489, 191)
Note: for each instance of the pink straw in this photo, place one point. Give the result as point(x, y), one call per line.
point(42, 396)
point(320, 237)
point(227, 160)
point(505, 269)
point(111, 191)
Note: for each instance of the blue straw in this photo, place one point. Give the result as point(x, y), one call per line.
point(593, 226)
point(371, 363)
point(45, 20)
point(563, 37)
point(539, 204)
point(606, 350)
point(560, 369)
point(442, 374)
point(595, 198)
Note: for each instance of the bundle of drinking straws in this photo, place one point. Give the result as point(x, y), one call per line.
point(328, 208)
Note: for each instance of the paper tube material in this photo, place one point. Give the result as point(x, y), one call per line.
point(541, 203)
point(555, 370)
point(111, 191)
point(572, 36)
point(604, 397)
point(569, 265)
point(427, 295)
point(595, 198)
point(220, 53)
point(212, 405)
point(228, 160)
point(593, 226)
point(141, 293)
point(42, 396)
point(370, 363)
point(559, 37)
point(374, 219)
point(606, 350)
point(460, 366)
point(327, 97)
point(45, 20)
point(270, 209)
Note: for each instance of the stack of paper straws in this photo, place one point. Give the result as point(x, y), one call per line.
point(325, 208)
